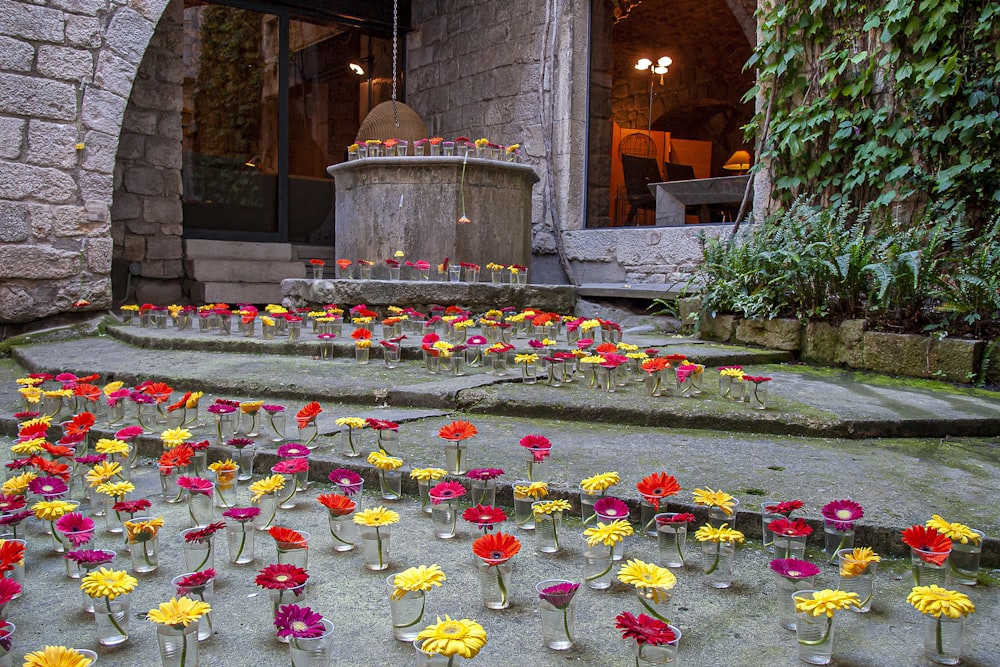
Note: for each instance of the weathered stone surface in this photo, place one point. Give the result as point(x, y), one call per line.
point(162, 209)
point(158, 291)
point(256, 252)
point(59, 62)
point(22, 181)
point(852, 349)
point(15, 55)
point(96, 211)
point(86, 7)
point(134, 248)
point(13, 222)
point(688, 309)
point(242, 271)
point(821, 344)
point(114, 74)
point(129, 33)
point(143, 181)
point(922, 356)
point(37, 262)
point(164, 247)
point(11, 137)
point(83, 31)
point(163, 152)
point(29, 22)
point(98, 255)
point(96, 185)
point(16, 304)
point(99, 154)
point(39, 98)
point(140, 121)
point(720, 327)
point(776, 334)
point(51, 144)
point(102, 110)
point(555, 298)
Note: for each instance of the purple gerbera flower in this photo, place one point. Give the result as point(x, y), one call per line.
point(195, 484)
point(91, 557)
point(299, 622)
point(610, 509)
point(559, 595)
point(793, 568)
point(91, 459)
point(241, 514)
point(349, 481)
point(48, 487)
point(484, 474)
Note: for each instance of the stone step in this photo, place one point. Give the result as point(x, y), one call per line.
point(628, 290)
point(205, 249)
point(226, 292)
point(242, 271)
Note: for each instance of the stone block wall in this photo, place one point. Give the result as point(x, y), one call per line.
point(66, 71)
point(146, 216)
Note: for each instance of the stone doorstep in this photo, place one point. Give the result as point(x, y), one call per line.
point(242, 270)
point(627, 291)
point(206, 249)
point(224, 292)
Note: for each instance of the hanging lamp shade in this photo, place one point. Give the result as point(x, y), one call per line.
point(380, 123)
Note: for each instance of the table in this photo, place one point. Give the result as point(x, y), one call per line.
point(672, 197)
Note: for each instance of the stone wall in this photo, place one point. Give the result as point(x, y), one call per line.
point(66, 71)
point(146, 216)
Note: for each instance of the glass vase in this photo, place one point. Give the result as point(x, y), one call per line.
point(814, 635)
point(390, 483)
point(308, 433)
point(250, 424)
point(963, 563)
point(718, 516)
point(375, 546)
point(225, 488)
point(286, 496)
point(198, 554)
point(547, 531)
point(483, 492)
point(291, 553)
point(268, 504)
point(790, 546)
point(587, 500)
point(598, 565)
point(202, 593)
point(350, 442)
point(925, 570)
point(281, 597)
point(655, 602)
point(943, 639)
point(406, 612)
point(670, 538)
point(244, 459)
point(661, 654)
point(524, 516)
point(456, 457)
point(171, 493)
point(717, 559)
point(857, 578)
point(786, 586)
point(200, 508)
point(276, 425)
point(178, 646)
point(444, 517)
point(312, 651)
point(343, 532)
point(111, 617)
point(647, 518)
point(240, 538)
point(767, 537)
point(494, 584)
point(145, 555)
point(756, 395)
point(529, 373)
point(428, 659)
point(558, 621)
point(837, 537)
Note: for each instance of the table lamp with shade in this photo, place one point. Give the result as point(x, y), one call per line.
point(738, 162)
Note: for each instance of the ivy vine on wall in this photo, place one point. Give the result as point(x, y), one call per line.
point(883, 102)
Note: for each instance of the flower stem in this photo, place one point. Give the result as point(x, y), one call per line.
point(825, 637)
point(715, 563)
point(420, 615)
point(208, 554)
point(938, 637)
point(501, 586)
point(243, 541)
point(378, 539)
point(652, 610)
point(184, 650)
point(145, 554)
point(566, 623)
point(111, 617)
point(595, 577)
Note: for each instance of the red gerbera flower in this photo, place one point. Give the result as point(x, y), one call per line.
point(308, 413)
point(931, 546)
point(337, 504)
point(204, 532)
point(644, 629)
point(446, 491)
point(381, 424)
point(81, 423)
point(281, 576)
point(88, 391)
point(287, 536)
point(177, 457)
point(51, 468)
point(195, 484)
point(173, 407)
point(680, 517)
point(32, 431)
point(457, 430)
point(785, 507)
point(11, 553)
point(496, 548)
point(56, 451)
point(290, 466)
point(484, 516)
point(656, 486)
point(11, 503)
point(539, 446)
point(9, 589)
point(194, 580)
point(361, 334)
point(128, 433)
point(790, 528)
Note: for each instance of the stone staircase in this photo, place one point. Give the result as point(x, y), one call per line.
point(241, 272)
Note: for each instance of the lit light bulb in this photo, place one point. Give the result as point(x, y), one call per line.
point(643, 64)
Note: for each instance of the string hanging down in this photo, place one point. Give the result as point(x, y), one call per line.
point(395, 48)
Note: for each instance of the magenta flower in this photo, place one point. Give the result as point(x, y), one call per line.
point(299, 622)
point(610, 509)
point(241, 514)
point(290, 466)
point(47, 487)
point(128, 433)
point(91, 557)
point(842, 514)
point(348, 481)
point(197, 446)
point(17, 464)
point(484, 474)
point(381, 424)
point(14, 518)
point(293, 450)
point(11, 503)
point(539, 446)
point(195, 484)
point(680, 517)
point(77, 528)
point(221, 408)
point(272, 408)
point(9, 589)
point(91, 459)
point(476, 340)
point(793, 568)
point(560, 595)
point(239, 443)
point(445, 491)
point(204, 532)
point(194, 580)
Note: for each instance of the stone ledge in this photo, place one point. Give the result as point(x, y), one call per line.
point(419, 294)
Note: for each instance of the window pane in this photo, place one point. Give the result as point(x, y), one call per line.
point(230, 119)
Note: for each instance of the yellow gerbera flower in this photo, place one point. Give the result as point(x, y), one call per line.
point(111, 446)
point(142, 531)
point(376, 516)
point(534, 490)
point(56, 656)
point(384, 462)
point(420, 578)
point(592, 359)
point(709, 533)
point(627, 347)
point(50, 510)
point(856, 563)
point(263, 487)
point(601, 482)
point(29, 382)
point(589, 324)
point(31, 394)
point(179, 611)
point(427, 474)
point(552, 506)
point(529, 358)
point(193, 399)
point(37, 421)
point(608, 534)
point(709, 498)
point(28, 447)
point(18, 484)
point(351, 422)
point(450, 637)
point(115, 489)
point(250, 407)
point(172, 437)
point(936, 601)
point(103, 471)
point(826, 602)
point(58, 393)
point(217, 466)
point(107, 583)
point(647, 575)
point(956, 532)
point(731, 372)
point(112, 387)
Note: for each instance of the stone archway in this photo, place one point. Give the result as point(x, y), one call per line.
point(67, 74)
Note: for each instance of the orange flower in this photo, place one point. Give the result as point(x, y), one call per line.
point(55, 451)
point(159, 390)
point(308, 413)
point(89, 391)
point(51, 468)
point(177, 457)
point(457, 430)
point(79, 425)
point(654, 364)
point(606, 348)
point(656, 486)
point(11, 553)
point(284, 535)
point(932, 546)
point(179, 404)
point(343, 263)
point(337, 504)
point(496, 548)
point(361, 334)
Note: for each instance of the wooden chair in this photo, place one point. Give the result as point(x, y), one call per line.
point(639, 172)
